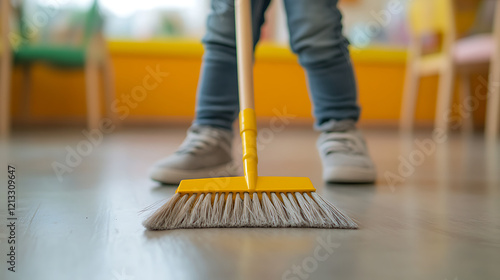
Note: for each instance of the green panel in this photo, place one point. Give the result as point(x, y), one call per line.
point(57, 55)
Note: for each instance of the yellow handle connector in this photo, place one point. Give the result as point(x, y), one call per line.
point(248, 132)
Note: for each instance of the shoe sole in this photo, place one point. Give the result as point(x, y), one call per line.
point(175, 176)
point(350, 175)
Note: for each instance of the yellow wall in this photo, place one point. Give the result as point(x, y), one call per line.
point(279, 81)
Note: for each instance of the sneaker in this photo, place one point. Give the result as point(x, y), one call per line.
point(206, 152)
point(345, 158)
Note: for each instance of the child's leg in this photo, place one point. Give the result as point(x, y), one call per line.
point(217, 97)
point(316, 36)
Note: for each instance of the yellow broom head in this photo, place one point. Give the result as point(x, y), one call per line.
point(228, 202)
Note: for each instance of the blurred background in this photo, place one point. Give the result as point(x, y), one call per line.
point(72, 61)
point(76, 72)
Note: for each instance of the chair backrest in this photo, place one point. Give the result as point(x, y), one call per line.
point(496, 24)
point(483, 18)
point(496, 37)
point(93, 21)
point(432, 25)
point(58, 25)
point(430, 16)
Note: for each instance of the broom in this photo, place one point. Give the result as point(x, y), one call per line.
point(249, 201)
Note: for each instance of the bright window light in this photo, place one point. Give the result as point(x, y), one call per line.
point(126, 8)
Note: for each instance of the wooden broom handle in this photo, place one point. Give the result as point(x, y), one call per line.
point(248, 126)
point(244, 51)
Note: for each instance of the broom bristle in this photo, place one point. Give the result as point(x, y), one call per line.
point(292, 210)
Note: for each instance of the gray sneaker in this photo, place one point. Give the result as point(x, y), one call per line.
point(206, 152)
point(345, 158)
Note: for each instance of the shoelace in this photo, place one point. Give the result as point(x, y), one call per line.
point(340, 144)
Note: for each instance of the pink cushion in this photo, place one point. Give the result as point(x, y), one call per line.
point(474, 49)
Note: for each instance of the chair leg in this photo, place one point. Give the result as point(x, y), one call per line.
point(465, 94)
point(92, 91)
point(26, 91)
point(109, 86)
point(409, 98)
point(493, 103)
point(445, 93)
point(5, 74)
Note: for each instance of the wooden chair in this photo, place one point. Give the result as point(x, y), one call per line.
point(429, 17)
point(5, 67)
point(455, 58)
point(89, 53)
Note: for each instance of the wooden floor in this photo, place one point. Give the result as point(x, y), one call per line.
point(433, 214)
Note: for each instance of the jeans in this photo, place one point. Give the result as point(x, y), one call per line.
point(315, 36)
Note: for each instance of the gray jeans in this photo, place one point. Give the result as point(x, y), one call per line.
point(315, 35)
